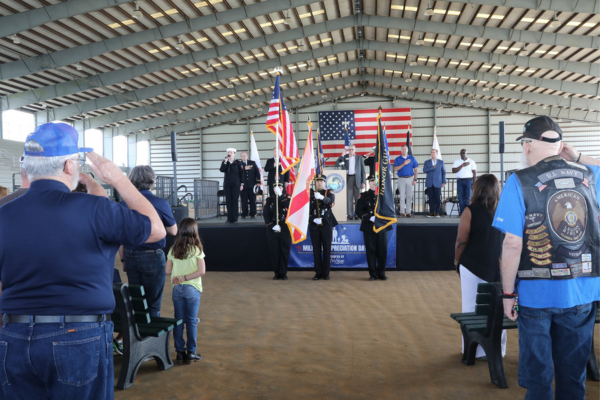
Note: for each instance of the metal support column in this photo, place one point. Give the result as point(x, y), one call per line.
point(131, 151)
point(489, 127)
point(200, 153)
point(108, 144)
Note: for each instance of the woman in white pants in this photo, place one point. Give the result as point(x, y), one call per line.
point(478, 246)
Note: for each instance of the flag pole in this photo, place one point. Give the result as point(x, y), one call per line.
point(315, 177)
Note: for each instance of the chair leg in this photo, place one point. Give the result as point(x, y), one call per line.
point(493, 352)
point(592, 365)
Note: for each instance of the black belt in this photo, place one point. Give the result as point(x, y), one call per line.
point(406, 176)
point(464, 179)
point(54, 319)
point(145, 251)
point(352, 175)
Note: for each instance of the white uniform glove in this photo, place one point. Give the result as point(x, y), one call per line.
point(277, 190)
point(372, 219)
point(342, 164)
point(318, 221)
point(277, 228)
point(319, 196)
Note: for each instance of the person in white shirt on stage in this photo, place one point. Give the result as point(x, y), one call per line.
point(466, 173)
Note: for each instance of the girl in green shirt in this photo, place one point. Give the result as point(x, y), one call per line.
point(185, 264)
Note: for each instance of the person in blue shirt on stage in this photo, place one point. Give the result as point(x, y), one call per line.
point(434, 182)
point(549, 212)
point(57, 252)
point(407, 168)
point(145, 263)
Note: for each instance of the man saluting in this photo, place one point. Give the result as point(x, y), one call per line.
point(321, 223)
point(375, 243)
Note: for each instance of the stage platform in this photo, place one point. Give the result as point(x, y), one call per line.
point(422, 244)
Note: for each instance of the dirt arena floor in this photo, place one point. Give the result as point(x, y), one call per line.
point(346, 338)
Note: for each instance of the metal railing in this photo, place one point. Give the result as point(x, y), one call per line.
point(205, 198)
point(165, 189)
point(420, 199)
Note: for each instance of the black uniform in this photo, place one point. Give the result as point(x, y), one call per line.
point(370, 162)
point(250, 178)
point(231, 186)
point(375, 243)
point(320, 236)
point(279, 243)
point(270, 168)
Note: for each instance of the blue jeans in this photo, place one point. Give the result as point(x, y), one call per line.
point(464, 193)
point(147, 269)
point(186, 301)
point(53, 361)
point(555, 343)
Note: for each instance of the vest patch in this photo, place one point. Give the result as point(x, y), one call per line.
point(540, 249)
point(538, 237)
point(571, 253)
point(538, 243)
point(536, 230)
point(541, 272)
point(561, 272)
point(559, 265)
point(586, 257)
point(565, 183)
point(568, 212)
point(540, 262)
point(576, 269)
point(560, 173)
point(534, 220)
point(541, 256)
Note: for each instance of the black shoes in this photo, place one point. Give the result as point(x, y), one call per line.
point(316, 278)
point(180, 357)
point(371, 278)
point(326, 278)
point(192, 357)
point(275, 277)
point(243, 217)
point(284, 278)
point(383, 278)
point(252, 217)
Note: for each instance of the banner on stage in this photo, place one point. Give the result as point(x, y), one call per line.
point(347, 249)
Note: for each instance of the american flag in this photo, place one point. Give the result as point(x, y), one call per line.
point(278, 122)
point(362, 130)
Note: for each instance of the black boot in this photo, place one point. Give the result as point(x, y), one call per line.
point(192, 357)
point(180, 357)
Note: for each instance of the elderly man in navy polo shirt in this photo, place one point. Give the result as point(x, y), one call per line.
point(57, 252)
point(407, 168)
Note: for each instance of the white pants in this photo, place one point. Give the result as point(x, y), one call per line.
point(468, 286)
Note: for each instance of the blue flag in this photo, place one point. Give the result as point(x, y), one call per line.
point(385, 213)
point(320, 164)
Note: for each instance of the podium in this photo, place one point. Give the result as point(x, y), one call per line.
point(336, 181)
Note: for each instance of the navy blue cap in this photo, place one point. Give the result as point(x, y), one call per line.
point(57, 139)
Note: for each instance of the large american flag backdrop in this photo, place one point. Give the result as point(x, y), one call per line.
point(362, 129)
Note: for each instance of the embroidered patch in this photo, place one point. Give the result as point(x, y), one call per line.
point(540, 249)
point(538, 237)
point(571, 253)
point(541, 272)
point(559, 265)
point(540, 256)
point(561, 272)
point(525, 274)
point(586, 257)
point(540, 262)
point(567, 211)
point(565, 183)
point(542, 187)
point(536, 230)
point(560, 173)
point(534, 220)
point(576, 269)
point(586, 182)
point(586, 267)
point(538, 243)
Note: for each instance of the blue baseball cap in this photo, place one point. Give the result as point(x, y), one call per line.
point(57, 139)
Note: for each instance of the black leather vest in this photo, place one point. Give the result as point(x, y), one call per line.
point(562, 221)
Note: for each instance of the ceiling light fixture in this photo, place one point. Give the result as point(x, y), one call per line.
point(523, 51)
point(179, 46)
point(230, 84)
point(301, 46)
point(318, 80)
point(486, 88)
point(78, 67)
point(324, 96)
point(209, 68)
point(311, 67)
point(395, 100)
point(502, 72)
point(16, 39)
point(137, 14)
point(407, 80)
point(413, 63)
point(473, 100)
point(555, 22)
point(288, 19)
point(247, 97)
point(566, 95)
point(429, 10)
point(544, 107)
point(420, 41)
point(259, 109)
point(404, 93)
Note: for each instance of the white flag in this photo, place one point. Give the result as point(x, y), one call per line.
point(436, 145)
point(256, 158)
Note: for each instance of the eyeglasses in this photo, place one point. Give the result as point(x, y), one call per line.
point(525, 141)
point(80, 160)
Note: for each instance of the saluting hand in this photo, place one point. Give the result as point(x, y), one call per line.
point(106, 170)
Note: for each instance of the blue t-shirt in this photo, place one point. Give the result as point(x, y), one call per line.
point(166, 216)
point(541, 293)
point(407, 169)
point(57, 250)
